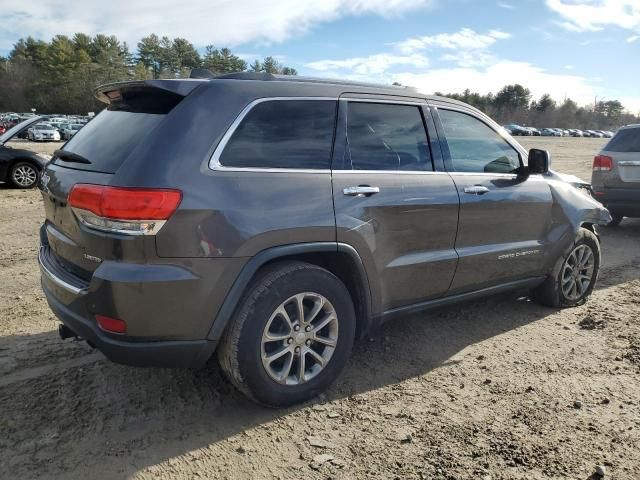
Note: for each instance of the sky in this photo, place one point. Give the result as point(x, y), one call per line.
point(586, 50)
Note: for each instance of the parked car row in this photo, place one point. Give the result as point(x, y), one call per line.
point(52, 128)
point(517, 130)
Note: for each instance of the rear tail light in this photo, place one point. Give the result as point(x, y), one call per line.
point(112, 325)
point(131, 211)
point(602, 163)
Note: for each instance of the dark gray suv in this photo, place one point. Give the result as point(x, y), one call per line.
point(274, 220)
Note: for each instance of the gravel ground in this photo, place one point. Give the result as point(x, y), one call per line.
point(499, 388)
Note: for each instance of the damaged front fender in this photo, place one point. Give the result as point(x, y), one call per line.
point(576, 206)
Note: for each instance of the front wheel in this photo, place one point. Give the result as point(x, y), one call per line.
point(574, 275)
point(290, 336)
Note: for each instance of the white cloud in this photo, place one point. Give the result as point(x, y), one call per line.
point(464, 39)
point(594, 15)
point(633, 38)
point(372, 65)
point(222, 22)
point(569, 67)
point(508, 6)
point(506, 72)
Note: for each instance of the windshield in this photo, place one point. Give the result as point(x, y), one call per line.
point(6, 136)
point(44, 127)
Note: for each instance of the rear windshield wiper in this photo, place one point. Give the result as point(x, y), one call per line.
point(70, 157)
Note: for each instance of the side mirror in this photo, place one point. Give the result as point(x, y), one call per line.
point(539, 161)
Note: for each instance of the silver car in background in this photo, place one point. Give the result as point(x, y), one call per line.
point(71, 130)
point(616, 174)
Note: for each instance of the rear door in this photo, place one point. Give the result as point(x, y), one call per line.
point(391, 205)
point(504, 218)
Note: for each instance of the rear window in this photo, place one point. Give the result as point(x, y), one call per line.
point(109, 138)
point(283, 134)
point(627, 140)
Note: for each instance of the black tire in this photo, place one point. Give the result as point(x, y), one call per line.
point(550, 293)
point(616, 220)
point(24, 175)
point(240, 349)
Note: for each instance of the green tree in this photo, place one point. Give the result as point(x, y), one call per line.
point(222, 61)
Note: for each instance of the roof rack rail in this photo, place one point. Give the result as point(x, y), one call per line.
point(264, 76)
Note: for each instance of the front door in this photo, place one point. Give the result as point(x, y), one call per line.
point(505, 218)
point(390, 204)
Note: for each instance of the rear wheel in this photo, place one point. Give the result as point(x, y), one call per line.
point(574, 274)
point(24, 175)
point(290, 336)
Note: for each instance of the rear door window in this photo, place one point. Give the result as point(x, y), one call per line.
point(627, 140)
point(382, 136)
point(283, 134)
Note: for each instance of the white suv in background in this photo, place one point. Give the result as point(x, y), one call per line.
point(616, 174)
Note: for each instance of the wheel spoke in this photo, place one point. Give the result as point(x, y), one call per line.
point(276, 337)
point(324, 322)
point(300, 307)
point(286, 370)
point(586, 261)
point(285, 316)
point(319, 303)
point(316, 356)
point(325, 341)
point(302, 366)
point(275, 356)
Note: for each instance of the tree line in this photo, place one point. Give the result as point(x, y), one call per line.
point(60, 76)
point(514, 104)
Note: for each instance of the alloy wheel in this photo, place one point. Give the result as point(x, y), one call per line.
point(25, 176)
point(299, 339)
point(577, 272)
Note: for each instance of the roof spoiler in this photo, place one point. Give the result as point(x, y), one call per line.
point(113, 92)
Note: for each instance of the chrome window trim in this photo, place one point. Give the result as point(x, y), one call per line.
point(390, 172)
point(416, 103)
point(214, 161)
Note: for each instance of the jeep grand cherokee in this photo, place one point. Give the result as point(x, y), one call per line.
point(273, 220)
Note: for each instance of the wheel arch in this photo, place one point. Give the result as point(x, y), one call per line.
point(31, 161)
point(340, 259)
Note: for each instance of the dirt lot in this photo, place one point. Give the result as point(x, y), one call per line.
point(499, 388)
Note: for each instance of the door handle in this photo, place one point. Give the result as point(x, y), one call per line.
point(361, 191)
point(476, 190)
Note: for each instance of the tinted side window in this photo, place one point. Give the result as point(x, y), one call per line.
point(384, 136)
point(475, 147)
point(625, 141)
point(283, 134)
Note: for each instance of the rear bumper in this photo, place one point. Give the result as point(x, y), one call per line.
point(169, 354)
point(121, 291)
point(620, 201)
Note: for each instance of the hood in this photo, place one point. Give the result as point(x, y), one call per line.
point(16, 129)
point(565, 177)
